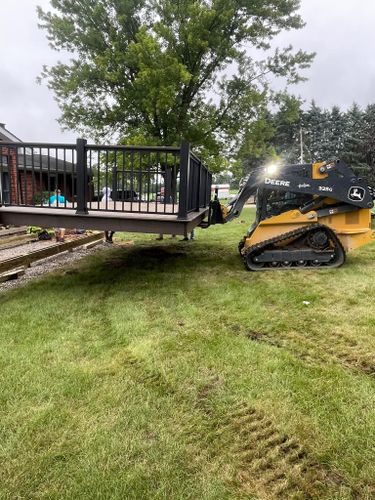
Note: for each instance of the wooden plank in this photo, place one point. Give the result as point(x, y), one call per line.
point(92, 244)
point(12, 275)
point(15, 240)
point(27, 259)
point(4, 233)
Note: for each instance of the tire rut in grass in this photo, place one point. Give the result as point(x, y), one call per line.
point(265, 461)
point(139, 371)
point(144, 374)
point(337, 348)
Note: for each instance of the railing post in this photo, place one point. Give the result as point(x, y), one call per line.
point(81, 177)
point(199, 180)
point(114, 184)
point(184, 180)
point(168, 184)
point(13, 176)
point(206, 190)
point(208, 187)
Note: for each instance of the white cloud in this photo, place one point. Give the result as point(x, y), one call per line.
point(28, 109)
point(341, 32)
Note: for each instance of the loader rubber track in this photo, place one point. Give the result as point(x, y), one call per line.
point(254, 256)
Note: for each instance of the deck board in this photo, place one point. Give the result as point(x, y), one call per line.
point(126, 206)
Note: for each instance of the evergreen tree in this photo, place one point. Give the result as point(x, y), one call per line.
point(287, 123)
point(315, 132)
point(353, 150)
point(368, 145)
point(333, 144)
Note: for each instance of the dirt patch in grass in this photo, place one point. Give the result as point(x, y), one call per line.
point(159, 253)
point(262, 337)
point(149, 258)
point(266, 461)
point(337, 348)
point(139, 370)
point(207, 390)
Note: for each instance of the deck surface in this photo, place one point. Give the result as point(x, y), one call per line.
point(136, 221)
point(126, 206)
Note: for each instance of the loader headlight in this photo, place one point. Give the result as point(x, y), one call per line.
point(272, 168)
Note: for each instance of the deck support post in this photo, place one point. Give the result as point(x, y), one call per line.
point(81, 177)
point(184, 180)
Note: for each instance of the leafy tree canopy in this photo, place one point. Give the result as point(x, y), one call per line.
point(157, 71)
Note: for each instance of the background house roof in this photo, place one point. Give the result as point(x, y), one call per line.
point(6, 136)
point(29, 161)
point(44, 163)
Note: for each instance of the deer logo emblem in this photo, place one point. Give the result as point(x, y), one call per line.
point(356, 193)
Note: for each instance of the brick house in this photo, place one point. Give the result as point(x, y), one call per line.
point(25, 178)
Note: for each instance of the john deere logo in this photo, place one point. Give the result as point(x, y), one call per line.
point(356, 193)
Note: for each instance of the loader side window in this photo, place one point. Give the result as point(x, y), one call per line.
point(278, 202)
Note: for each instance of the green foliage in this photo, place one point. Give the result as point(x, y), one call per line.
point(41, 197)
point(287, 124)
point(256, 148)
point(326, 135)
point(147, 71)
point(37, 230)
point(33, 229)
point(354, 138)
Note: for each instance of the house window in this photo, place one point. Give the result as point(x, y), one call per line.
point(4, 188)
point(3, 161)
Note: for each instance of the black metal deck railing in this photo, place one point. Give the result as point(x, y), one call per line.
point(87, 177)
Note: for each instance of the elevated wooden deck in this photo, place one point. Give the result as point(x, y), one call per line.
point(102, 220)
point(156, 189)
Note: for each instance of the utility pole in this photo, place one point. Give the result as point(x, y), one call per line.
point(301, 158)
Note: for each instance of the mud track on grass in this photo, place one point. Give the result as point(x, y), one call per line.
point(335, 348)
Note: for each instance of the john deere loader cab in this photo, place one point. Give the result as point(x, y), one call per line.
point(306, 216)
point(271, 202)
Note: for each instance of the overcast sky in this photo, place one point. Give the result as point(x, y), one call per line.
point(340, 31)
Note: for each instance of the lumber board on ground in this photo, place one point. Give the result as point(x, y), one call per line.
point(92, 244)
point(12, 274)
point(27, 259)
point(5, 233)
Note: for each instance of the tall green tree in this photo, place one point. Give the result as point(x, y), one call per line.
point(158, 71)
point(256, 146)
point(287, 123)
point(334, 134)
point(368, 143)
point(316, 126)
point(353, 148)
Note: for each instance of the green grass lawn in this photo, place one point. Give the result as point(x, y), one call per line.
point(167, 371)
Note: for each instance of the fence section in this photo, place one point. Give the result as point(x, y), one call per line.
point(31, 173)
point(87, 177)
point(134, 179)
